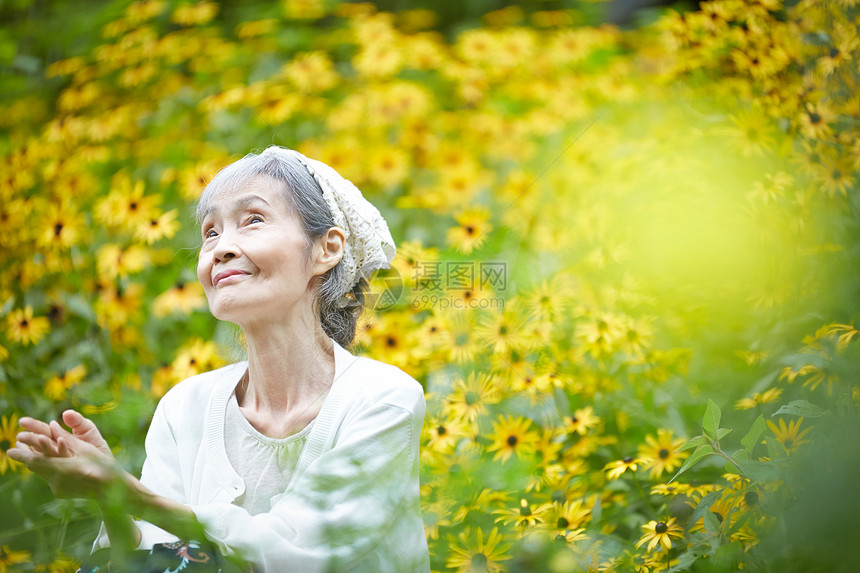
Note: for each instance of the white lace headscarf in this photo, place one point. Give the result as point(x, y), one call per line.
point(369, 245)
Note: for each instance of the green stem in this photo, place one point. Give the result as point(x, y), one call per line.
point(645, 498)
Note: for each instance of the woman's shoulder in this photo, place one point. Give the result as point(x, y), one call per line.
point(382, 382)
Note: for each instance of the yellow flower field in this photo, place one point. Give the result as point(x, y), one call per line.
point(626, 273)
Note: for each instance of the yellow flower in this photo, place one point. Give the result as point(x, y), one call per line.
point(662, 454)
point(815, 121)
point(378, 60)
point(581, 420)
point(443, 434)
point(464, 342)
point(512, 436)
point(8, 436)
point(676, 488)
point(196, 357)
point(157, 227)
point(567, 517)
point(182, 297)
point(311, 72)
point(758, 399)
point(505, 330)
point(471, 231)
point(660, 532)
point(61, 227)
point(477, 46)
point(388, 166)
point(523, 516)
point(617, 468)
point(112, 260)
point(23, 327)
point(55, 388)
point(471, 553)
point(601, 332)
point(10, 557)
point(162, 380)
point(304, 9)
point(194, 14)
point(752, 133)
point(789, 436)
point(469, 398)
point(126, 206)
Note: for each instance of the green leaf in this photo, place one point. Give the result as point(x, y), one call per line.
point(711, 421)
point(694, 443)
point(722, 432)
point(727, 555)
point(596, 510)
point(704, 506)
point(801, 408)
point(712, 525)
point(751, 439)
point(758, 471)
point(699, 453)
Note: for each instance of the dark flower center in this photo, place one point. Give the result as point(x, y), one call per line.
point(562, 523)
point(25, 323)
point(58, 228)
point(470, 229)
point(512, 441)
point(479, 560)
point(751, 498)
point(664, 453)
point(4, 444)
point(814, 117)
point(441, 430)
point(627, 460)
point(390, 341)
point(471, 398)
point(661, 528)
point(834, 52)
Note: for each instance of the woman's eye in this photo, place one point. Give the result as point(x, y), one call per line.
point(210, 233)
point(255, 219)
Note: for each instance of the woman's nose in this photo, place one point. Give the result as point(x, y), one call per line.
point(226, 247)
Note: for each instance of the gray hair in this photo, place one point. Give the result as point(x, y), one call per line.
point(303, 196)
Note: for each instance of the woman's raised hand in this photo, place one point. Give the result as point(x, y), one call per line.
point(78, 464)
point(85, 430)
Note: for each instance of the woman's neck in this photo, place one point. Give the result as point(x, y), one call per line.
point(290, 371)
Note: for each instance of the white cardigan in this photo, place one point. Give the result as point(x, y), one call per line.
point(353, 501)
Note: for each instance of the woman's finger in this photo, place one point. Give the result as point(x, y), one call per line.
point(38, 443)
point(57, 431)
point(63, 448)
point(86, 430)
point(35, 426)
point(26, 456)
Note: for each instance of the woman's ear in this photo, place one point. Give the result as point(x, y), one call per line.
point(330, 250)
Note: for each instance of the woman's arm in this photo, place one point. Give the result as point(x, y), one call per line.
point(81, 465)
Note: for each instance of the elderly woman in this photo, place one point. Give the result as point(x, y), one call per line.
point(302, 458)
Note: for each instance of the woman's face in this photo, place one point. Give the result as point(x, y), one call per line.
point(252, 261)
